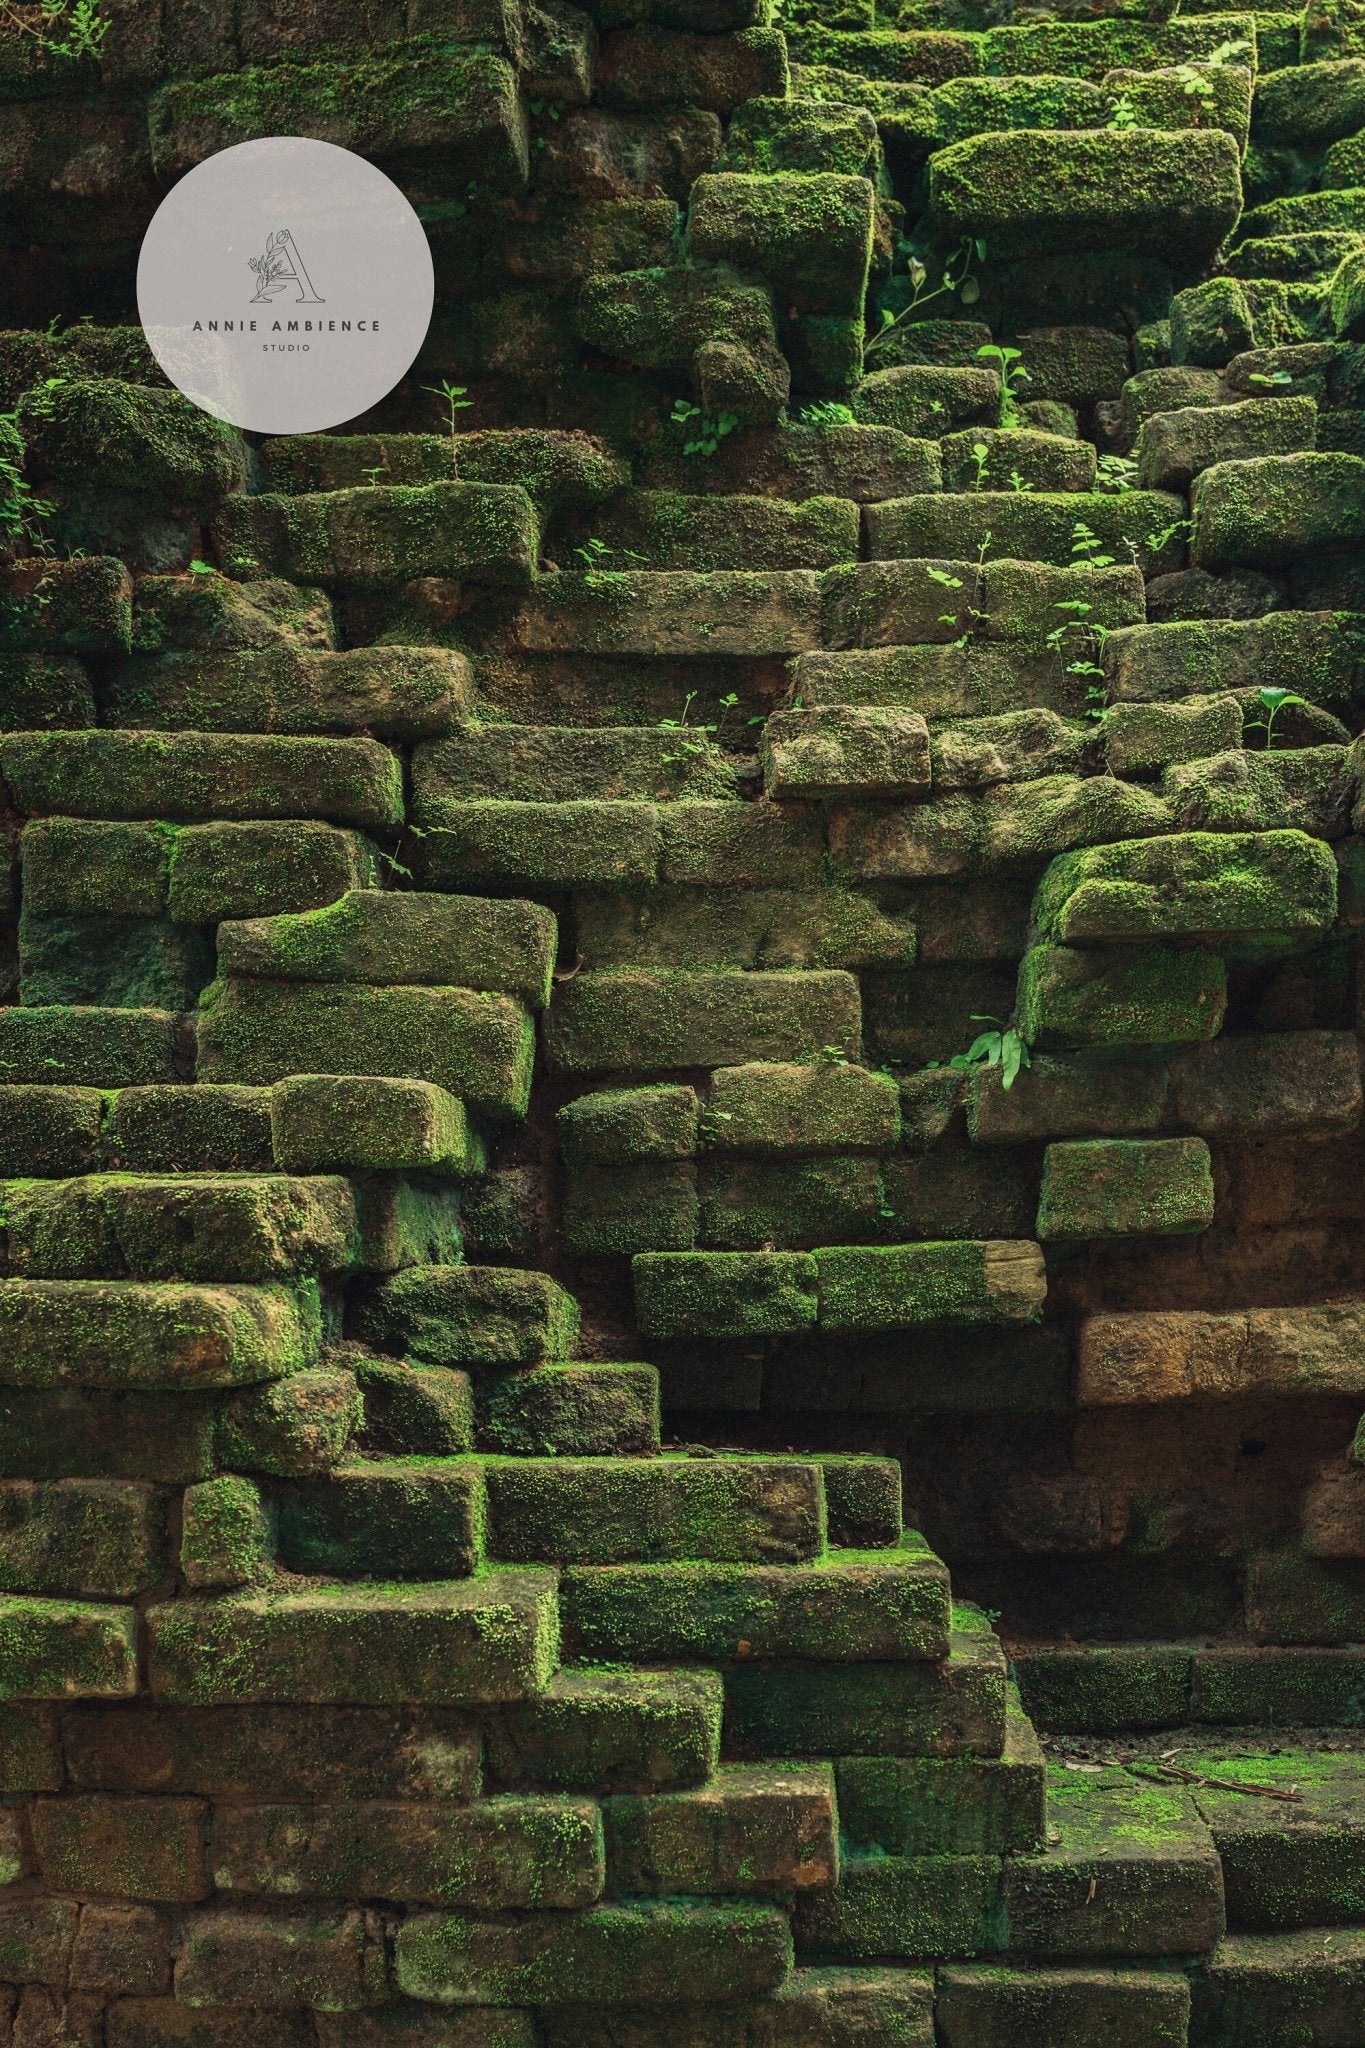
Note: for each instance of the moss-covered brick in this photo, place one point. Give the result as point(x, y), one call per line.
point(825, 752)
point(415, 1410)
point(390, 1518)
point(136, 1848)
point(660, 1510)
point(1347, 304)
point(1263, 1083)
point(723, 1294)
point(381, 937)
point(629, 1123)
point(784, 1204)
point(558, 764)
point(86, 1047)
point(1033, 525)
point(1278, 1877)
point(1305, 651)
point(1142, 739)
point(190, 610)
point(1303, 789)
point(47, 1130)
point(793, 461)
point(956, 1708)
point(1043, 193)
point(1124, 1187)
point(74, 865)
point(1333, 209)
point(906, 1906)
point(729, 612)
point(862, 1499)
point(1157, 1885)
point(30, 1759)
point(577, 1411)
point(990, 2006)
point(247, 870)
point(920, 398)
point(760, 927)
point(1244, 1684)
point(297, 1425)
point(633, 1206)
point(55, 1432)
point(1105, 1687)
point(1162, 99)
point(372, 539)
point(1276, 509)
point(633, 1950)
point(815, 2005)
point(1091, 49)
point(63, 1649)
point(465, 1641)
point(233, 1957)
point(158, 1228)
point(173, 1129)
point(1117, 995)
point(142, 440)
point(475, 1045)
point(769, 135)
point(408, 2023)
point(125, 1333)
point(1258, 1985)
point(649, 66)
point(202, 775)
point(752, 1828)
point(103, 1538)
point(43, 692)
point(975, 106)
point(683, 531)
point(397, 693)
point(1070, 1098)
point(1311, 104)
point(541, 845)
point(960, 1194)
point(125, 963)
point(495, 1854)
point(947, 1806)
point(55, 607)
point(739, 845)
point(1040, 461)
point(1171, 1355)
point(633, 1018)
point(848, 1607)
point(809, 232)
point(560, 472)
point(227, 1536)
point(888, 1287)
point(777, 1107)
point(879, 604)
point(1293, 1598)
point(1211, 323)
point(1197, 885)
point(472, 1316)
point(1175, 447)
point(340, 1122)
point(456, 105)
point(610, 1730)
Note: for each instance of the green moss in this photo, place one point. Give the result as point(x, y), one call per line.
point(887, 1287)
point(809, 232)
point(227, 1535)
point(142, 440)
point(61, 1649)
point(1121, 1187)
point(1152, 995)
point(392, 1518)
point(723, 1294)
point(472, 1315)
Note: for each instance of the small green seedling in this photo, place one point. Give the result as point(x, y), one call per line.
point(827, 412)
point(1009, 362)
point(64, 28)
point(1001, 1047)
point(957, 282)
point(456, 399)
point(1272, 703)
point(705, 434)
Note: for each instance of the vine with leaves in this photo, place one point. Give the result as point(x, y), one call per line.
point(61, 28)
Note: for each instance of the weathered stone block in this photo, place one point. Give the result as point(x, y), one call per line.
point(236, 1957)
point(561, 764)
point(810, 232)
point(465, 1642)
point(618, 1124)
point(1173, 448)
point(374, 539)
point(666, 1509)
point(635, 1019)
point(906, 1906)
point(400, 1518)
point(472, 1315)
point(227, 1536)
point(542, 846)
point(1118, 995)
point(1276, 509)
point(773, 1107)
point(137, 1848)
point(888, 1287)
point(990, 2007)
point(61, 1649)
point(228, 870)
point(831, 751)
point(292, 1426)
point(751, 1829)
point(123, 1333)
point(86, 1047)
point(1267, 1083)
point(397, 693)
point(1126, 1187)
point(723, 1294)
point(610, 1730)
point(104, 1538)
point(145, 440)
point(340, 1122)
point(1142, 739)
point(1179, 1354)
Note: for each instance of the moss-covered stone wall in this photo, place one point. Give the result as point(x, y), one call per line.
point(653, 1023)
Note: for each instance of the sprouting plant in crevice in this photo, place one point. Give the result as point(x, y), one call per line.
point(827, 412)
point(957, 282)
point(1017, 482)
point(1125, 114)
point(1078, 646)
point(1272, 703)
point(456, 399)
point(981, 460)
point(64, 28)
point(1001, 1046)
point(1115, 473)
point(832, 1056)
point(970, 609)
point(1009, 362)
point(546, 110)
point(709, 1124)
point(593, 553)
point(693, 739)
point(1179, 529)
point(1270, 380)
point(1087, 549)
point(705, 432)
point(23, 514)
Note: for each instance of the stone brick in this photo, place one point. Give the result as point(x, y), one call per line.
point(122, 1951)
point(990, 2007)
point(664, 1510)
point(293, 1426)
point(1262, 1085)
point(331, 1122)
point(111, 1333)
point(52, 1432)
point(242, 870)
point(142, 1849)
point(751, 1829)
point(887, 1287)
point(826, 752)
point(227, 1534)
point(909, 1906)
point(472, 1316)
point(493, 1855)
point(723, 1294)
point(166, 2023)
point(372, 539)
point(651, 1021)
point(621, 1951)
point(83, 1046)
point(49, 1130)
point(30, 1758)
point(395, 693)
point(947, 1806)
point(36, 1937)
point(1182, 1354)
point(827, 2007)
point(415, 1410)
point(640, 1205)
point(610, 1730)
point(777, 1107)
point(1210, 886)
point(1152, 995)
point(176, 1129)
point(583, 1411)
point(408, 2024)
point(1125, 1187)
point(401, 1518)
point(99, 1537)
point(230, 1957)
point(461, 1642)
